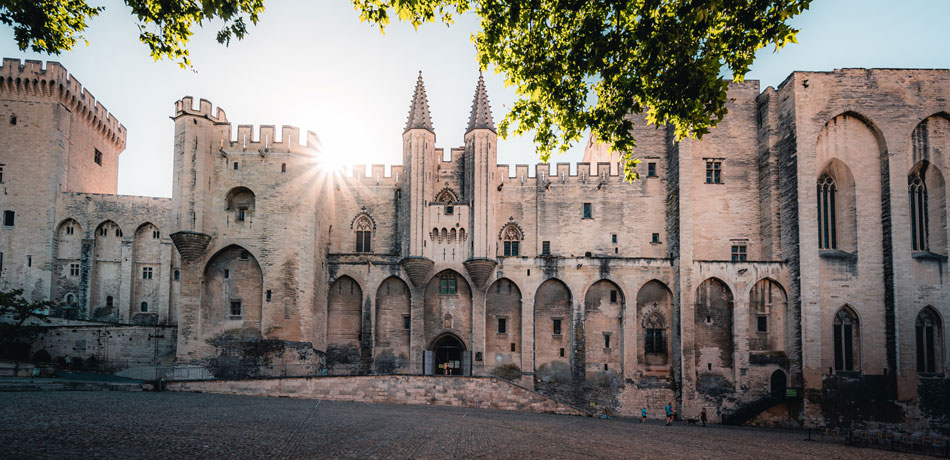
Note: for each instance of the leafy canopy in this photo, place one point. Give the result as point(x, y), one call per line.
point(575, 64)
point(579, 64)
point(165, 26)
point(15, 317)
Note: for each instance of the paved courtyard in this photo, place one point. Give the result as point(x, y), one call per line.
point(185, 425)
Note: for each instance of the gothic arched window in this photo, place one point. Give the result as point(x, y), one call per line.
point(364, 234)
point(827, 228)
point(929, 341)
point(656, 335)
point(846, 334)
point(918, 212)
point(511, 239)
point(447, 197)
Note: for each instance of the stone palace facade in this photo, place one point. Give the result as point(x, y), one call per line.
point(801, 245)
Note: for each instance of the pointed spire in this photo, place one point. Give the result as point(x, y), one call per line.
point(481, 110)
point(419, 117)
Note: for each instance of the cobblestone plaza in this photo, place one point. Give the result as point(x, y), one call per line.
point(185, 425)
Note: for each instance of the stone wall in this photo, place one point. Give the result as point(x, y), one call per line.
point(483, 393)
point(114, 347)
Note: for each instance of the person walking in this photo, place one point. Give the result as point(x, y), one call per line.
point(702, 416)
point(643, 415)
point(669, 414)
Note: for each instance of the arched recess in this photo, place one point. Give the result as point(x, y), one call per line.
point(393, 325)
point(846, 340)
point(106, 270)
point(552, 323)
point(603, 331)
point(927, 200)
point(68, 255)
point(851, 139)
point(146, 253)
point(447, 307)
point(655, 320)
point(231, 299)
point(240, 202)
point(713, 328)
point(928, 332)
point(344, 323)
point(767, 316)
point(502, 324)
point(837, 213)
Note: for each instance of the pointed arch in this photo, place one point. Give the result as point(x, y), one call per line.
point(928, 208)
point(511, 236)
point(146, 254)
point(654, 318)
point(447, 306)
point(928, 332)
point(552, 323)
point(241, 201)
point(503, 323)
point(603, 329)
point(232, 297)
point(768, 303)
point(393, 325)
point(344, 324)
point(446, 196)
point(713, 316)
point(846, 337)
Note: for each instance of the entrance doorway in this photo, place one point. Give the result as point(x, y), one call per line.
point(778, 383)
point(448, 351)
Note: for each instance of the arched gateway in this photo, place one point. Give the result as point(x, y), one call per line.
point(447, 356)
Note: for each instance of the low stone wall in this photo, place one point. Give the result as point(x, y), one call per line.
point(114, 346)
point(476, 392)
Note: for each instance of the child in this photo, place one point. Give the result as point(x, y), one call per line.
point(643, 415)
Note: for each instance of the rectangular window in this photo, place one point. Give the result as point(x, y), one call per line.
point(1, 174)
point(651, 169)
point(155, 234)
point(502, 325)
point(227, 273)
point(713, 171)
point(613, 296)
point(513, 347)
point(73, 269)
point(118, 232)
point(8, 218)
point(406, 322)
point(613, 238)
point(656, 238)
point(245, 255)
point(235, 166)
point(29, 261)
point(762, 323)
point(561, 353)
point(545, 248)
point(98, 157)
point(235, 308)
point(738, 252)
point(240, 214)
point(69, 230)
point(606, 340)
point(557, 327)
point(146, 273)
point(283, 167)
point(177, 275)
point(587, 211)
point(363, 241)
point(447, 286)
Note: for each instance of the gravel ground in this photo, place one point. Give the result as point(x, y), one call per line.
point(132, 425)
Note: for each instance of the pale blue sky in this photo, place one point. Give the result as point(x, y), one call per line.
point(315, 66)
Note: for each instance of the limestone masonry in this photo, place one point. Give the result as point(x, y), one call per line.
point(789, 266)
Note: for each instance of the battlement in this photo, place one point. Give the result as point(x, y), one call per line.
point(263, 139)
point(29, 79)
point(377, 175)
point(561, 174)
